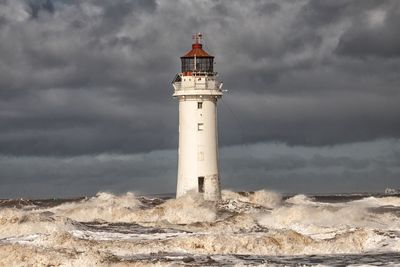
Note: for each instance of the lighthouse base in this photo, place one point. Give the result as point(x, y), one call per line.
point(212, 188)
point(208, 185)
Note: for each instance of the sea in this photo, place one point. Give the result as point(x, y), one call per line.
point(260, 228)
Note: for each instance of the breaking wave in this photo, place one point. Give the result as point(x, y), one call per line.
point(104, 206)
point(128, 208)
point(119, 229)
point(382, 201)
point(264, 198)
point(15, 223)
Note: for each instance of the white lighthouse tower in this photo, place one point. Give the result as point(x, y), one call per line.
point(198, 90)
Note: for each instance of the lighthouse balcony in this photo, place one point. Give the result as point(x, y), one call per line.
point(196, 82)
point(197, 86)
point(197, 92)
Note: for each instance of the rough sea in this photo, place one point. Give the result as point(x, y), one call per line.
point(259, 228)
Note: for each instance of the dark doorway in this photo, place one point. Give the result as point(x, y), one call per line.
point(201, 184)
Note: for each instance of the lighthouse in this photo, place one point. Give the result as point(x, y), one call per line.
point(197, 88)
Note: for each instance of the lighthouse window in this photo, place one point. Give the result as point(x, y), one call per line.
point(203, 64)
point(187, 64)
point(201, 184)
point(199, 105)
point(200, 126)
point(200, 156)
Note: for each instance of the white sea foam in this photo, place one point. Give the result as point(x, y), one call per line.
point(15, 222)
point(264, 198)
point(325, 222)
point(104, 206)
point(379, 202)
point(127, 208)
point(190, 208)
point(300, 200)
point(258, 223)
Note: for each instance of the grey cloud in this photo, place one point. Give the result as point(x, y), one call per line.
point(367, 37)
point(357, 167)
point(310, 120)
point(38, 6)
point(89, 77)
point(346, 162)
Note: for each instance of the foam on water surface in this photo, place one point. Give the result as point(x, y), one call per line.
point(259, 228)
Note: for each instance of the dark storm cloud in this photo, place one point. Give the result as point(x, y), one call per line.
point(381, 39)
point(311, 120)
point(39, 6)
point(357, 167)
point(89, 77)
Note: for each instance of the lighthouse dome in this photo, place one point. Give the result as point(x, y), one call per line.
point(197, 60)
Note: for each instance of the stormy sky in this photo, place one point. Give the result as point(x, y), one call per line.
point(313, 101)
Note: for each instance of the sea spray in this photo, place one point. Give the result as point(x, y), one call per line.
point(104, 206)
point(15, 223)
point(301, 200)
point(322, 221)
point(268, 199)
point(122, 230)
point(190, 208)
point(378, 202)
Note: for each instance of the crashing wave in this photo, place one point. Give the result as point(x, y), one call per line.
point(107, 228)
point(15, 222)
point(392, 191)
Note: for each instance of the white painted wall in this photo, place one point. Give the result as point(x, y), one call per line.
point(198, 149)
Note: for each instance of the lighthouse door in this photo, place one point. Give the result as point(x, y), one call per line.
point(201, 184)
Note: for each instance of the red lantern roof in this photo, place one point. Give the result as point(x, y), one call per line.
point(197, 48)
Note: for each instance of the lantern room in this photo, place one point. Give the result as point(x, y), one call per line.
point(197, 60)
